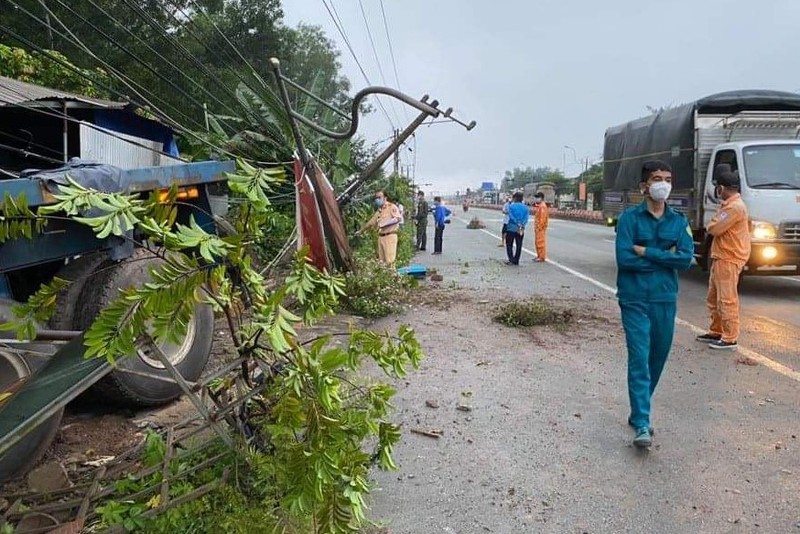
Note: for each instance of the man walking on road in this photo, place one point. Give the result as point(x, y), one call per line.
point(542, 214)
point(387, 221)
point(440, 215)
point(730, 250)
point(421, 219)
point(518, 214)
point(653, 243)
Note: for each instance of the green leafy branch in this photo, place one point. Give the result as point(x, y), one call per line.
point(119, 213)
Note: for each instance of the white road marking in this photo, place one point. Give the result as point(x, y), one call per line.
point(610, 241)
point(760, 358)
point(792, 279)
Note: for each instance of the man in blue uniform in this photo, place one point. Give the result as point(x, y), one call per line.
point(653, 243)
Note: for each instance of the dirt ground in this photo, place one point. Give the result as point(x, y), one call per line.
point(92, 430)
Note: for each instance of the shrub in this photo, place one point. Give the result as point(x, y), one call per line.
point(535, 312)
point(375, 290)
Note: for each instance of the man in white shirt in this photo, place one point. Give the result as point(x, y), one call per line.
point(505, 222)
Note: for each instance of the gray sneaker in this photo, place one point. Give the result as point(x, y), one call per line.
point(723, 345)
point(643, 438)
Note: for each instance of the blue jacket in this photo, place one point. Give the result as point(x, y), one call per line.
point(654, 276)
point(440, 213)
point(518, 214)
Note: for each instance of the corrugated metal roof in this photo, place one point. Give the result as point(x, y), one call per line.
point(14, 92)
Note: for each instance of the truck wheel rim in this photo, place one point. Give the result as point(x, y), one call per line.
point(13, 367)
point(175, 352)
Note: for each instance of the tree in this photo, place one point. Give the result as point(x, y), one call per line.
point(39, 69)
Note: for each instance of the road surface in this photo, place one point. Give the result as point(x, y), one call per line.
point(770, 305)
point(544, 446)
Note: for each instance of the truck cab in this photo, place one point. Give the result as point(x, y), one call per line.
point(770, 186)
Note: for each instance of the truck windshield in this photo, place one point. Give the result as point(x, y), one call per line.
point(772, 166)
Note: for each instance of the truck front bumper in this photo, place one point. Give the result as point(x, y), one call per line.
point(774, 254)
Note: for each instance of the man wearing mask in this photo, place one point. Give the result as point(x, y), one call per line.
point(440, 215)
point(518, 214)
point(421, 218)
point(387, 221)
point(542, 214)
point(730, 250)
point(653, 243)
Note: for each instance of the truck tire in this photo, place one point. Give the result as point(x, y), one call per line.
point(23, 456)
point(190, 357)
point(77, 272)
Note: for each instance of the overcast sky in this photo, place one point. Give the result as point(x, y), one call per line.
point(540, 74)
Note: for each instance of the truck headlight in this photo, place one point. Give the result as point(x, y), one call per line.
point(763, 230)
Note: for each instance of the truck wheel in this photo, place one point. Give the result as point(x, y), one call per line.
point(189, 357)
point(77, 272)
point(15, 366)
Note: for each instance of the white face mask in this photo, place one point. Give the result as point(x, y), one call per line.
point(660, 191)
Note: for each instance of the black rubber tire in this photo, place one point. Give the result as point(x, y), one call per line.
point(129, 389)
point(23, 456)
point(77, 272)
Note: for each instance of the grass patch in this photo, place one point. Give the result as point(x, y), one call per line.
point(533, 312)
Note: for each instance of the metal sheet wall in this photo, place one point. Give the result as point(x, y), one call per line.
point(121, 150)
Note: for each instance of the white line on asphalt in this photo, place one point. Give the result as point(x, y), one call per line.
point(760, 358)
point(792, 279)
point(610, 241)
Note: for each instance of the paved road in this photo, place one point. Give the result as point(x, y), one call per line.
point(770, 305)
point(546, 448)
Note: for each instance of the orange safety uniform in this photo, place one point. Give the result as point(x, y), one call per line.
point(730, 251)
point(542, 216)
point(387, 233)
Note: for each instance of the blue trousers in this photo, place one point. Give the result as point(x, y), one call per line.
point(649, 328)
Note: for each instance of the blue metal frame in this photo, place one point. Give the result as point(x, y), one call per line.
point(145, 179)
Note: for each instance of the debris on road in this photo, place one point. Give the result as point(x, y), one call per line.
point(746, 360)
point(428, 433)
point(432, 404)
point(464, 408)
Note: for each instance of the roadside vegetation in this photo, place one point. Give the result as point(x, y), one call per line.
point(319, 427)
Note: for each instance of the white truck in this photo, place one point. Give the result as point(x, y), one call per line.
point(755, 132)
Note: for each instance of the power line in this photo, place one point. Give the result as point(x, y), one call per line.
point(140, 60)
point(391, 53)
point(185, 52)
point(126, 80)
point(340, 28)
point(377, 58)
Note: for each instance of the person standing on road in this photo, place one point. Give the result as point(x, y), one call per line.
point(387, 221)
point(506, 204)
point(542, 214)
point(421, 220)
point(653, 243)
point(518, 214)
point(730, 250)
point(440, 215)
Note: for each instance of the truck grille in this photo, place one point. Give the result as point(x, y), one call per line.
point(791, 230)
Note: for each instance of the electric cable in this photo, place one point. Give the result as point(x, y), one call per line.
point(377, 58)
point(139, 60)
point(391, 55)
point(340, 28)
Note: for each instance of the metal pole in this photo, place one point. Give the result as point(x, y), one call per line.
point(66, 126)
point(373, 167)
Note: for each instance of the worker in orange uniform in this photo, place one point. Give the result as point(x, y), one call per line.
point(542, 214)
point(730, 250)
point(387, 221)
